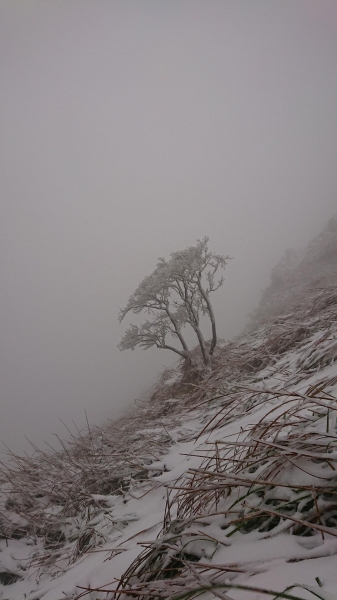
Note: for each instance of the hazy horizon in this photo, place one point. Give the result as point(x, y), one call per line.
point(129, 130)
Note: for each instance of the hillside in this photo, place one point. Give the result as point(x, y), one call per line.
point(298, 273)
point(224, 483)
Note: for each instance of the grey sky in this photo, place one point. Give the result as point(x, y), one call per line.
point(128, 130)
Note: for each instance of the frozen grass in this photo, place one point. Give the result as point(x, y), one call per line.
point(277, 475)
point(56, 496)
point(280, 475)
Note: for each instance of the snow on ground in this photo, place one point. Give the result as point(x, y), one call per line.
point(273, 559)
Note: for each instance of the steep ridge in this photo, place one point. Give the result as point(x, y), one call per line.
point(297, 274)
point(223, 483)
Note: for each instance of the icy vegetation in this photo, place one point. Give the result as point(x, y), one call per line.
point(223, 484)
point(176, 294)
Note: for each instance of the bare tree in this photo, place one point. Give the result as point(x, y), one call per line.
point(176, 294)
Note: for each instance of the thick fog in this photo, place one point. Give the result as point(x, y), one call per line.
point(129, 129)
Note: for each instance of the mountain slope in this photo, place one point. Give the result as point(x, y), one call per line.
point(225, 480)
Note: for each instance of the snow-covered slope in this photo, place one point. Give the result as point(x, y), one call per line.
point(297, 273)
point(224, 483)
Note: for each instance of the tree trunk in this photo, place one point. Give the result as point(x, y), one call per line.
point(211, 316)
point(201, 344)
point(177, 330)
point(194, 322)
point(195, 325)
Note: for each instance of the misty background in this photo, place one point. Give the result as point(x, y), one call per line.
point(129, 129)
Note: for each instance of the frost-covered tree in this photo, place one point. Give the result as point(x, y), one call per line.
point(176, 294)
